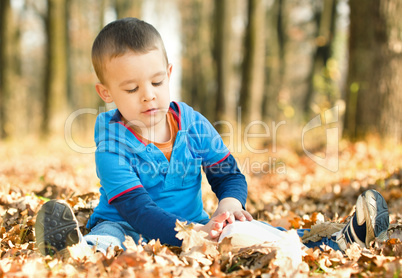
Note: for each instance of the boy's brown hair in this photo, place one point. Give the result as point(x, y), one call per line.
point(121, 36)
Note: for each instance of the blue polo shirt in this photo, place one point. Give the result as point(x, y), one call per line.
point(126, 165)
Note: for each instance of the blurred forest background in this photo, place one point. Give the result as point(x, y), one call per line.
point(234, 60)
point(276, 63)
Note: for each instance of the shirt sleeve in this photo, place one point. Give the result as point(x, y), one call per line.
point(116, 174)
point(149, 220)
point(226, 180)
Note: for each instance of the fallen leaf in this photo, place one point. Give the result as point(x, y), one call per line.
point(320, 230)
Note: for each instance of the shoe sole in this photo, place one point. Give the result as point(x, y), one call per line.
point(56, 228)
point(376, 214)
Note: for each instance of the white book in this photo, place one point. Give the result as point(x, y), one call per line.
point(249, 233)
point(254, 230)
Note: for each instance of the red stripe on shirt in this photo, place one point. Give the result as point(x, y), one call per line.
point(177, 117)
point(226, 156)
point(133, 132)
point(124, 192)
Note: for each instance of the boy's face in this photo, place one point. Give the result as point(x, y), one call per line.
point(139, 86)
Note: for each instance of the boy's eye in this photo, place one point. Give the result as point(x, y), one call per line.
point(156, 84)
point(133, 90)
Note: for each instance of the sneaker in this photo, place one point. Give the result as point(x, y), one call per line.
point(56, 228)
point(370, 221)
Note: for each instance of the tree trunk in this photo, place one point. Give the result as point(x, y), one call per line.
point(374, 91)
point(81, 80)
point(128, 8)
point(275, 60)
point(251, 92)
point(55, 98)
point(223, 54)
point(324, 38)
point(197, 68)
point(8, 64)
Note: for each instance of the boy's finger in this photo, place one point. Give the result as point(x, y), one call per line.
point(222, 217)
point(217, 226)
point(248, 216)
point(214, 233)
point(240, 216)
point(231, 218)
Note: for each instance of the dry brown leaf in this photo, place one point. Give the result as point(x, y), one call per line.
point(354, 251)
point(170, 257)
point(396, 233)
point(274, 198)
point(80, 251)
point(225, 246)
point(325, 264)
point(320, 230)
point(189, 236)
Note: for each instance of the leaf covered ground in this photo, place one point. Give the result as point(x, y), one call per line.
point(304, 196)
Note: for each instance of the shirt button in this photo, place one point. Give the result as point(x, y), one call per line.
point(164, 170)
point(149, 149)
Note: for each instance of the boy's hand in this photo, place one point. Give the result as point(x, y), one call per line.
point(215, 226)
point(234, 207)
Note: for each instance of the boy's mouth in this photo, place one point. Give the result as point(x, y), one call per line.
point(150, 110)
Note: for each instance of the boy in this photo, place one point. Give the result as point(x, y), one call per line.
point(149, 157)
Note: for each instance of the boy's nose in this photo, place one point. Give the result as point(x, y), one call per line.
point(148, 94)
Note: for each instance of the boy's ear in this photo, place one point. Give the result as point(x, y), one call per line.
point(169, 70)
point(103, 92)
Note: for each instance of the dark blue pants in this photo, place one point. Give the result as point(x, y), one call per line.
point(326, 241)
